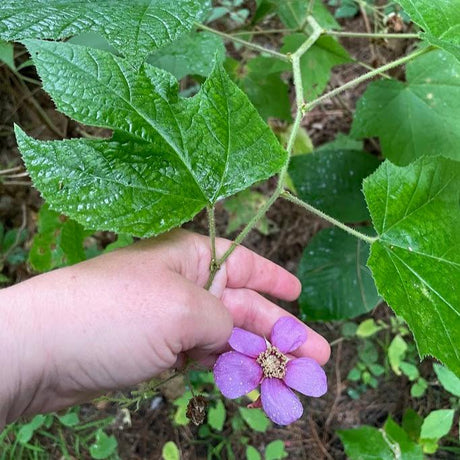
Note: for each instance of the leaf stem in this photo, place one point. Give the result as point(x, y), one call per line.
point(288, 196)
point(338, 33)
point(366, 76)
point(262, 32)
point(254, 46)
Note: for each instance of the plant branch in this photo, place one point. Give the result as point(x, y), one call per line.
point(338, 33)
point(254, 46)
point(293, 199)
point(295, 60)
point(366, 76)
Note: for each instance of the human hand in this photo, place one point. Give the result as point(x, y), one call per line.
point(124, 317)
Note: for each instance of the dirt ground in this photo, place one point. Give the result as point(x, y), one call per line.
point(313, 437)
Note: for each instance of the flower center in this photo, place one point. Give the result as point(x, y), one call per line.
point(273, 363)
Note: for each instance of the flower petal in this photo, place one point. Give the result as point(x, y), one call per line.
point(288, 334)
point(306, 376)
point(280, 403)
point(236, 374)
point(247, 343)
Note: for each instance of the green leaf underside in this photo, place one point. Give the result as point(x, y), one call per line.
point(336, 284)
point(440, 20)
point(416, 261)
point(168, 158)
point(192, 54)
point(317, 62)
point(331, 181)
point(293, 14)
point(135, 28)
point(417, 117)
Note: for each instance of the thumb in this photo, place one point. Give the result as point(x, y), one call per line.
point(207, 325)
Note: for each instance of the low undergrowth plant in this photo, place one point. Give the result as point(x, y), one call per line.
point(175, 149)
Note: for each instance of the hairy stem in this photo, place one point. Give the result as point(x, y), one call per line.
point(295, 59)
point(288, 196)
point(338, 33)
point(215, 265)
point(254, 46)
point(366, 76)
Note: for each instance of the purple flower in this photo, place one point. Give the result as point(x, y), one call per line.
point(256, 361)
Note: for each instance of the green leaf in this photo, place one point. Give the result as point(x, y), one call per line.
point(7, 54)
point(407, 449)
point(440, 21)
point(416, 260)
point(26, 432)
point(317, 62)
point(169, 157)
point(255, 418)
point(368, 353)
point(191, 54)
point(121, 242)
point(396, 352)
point(341, 142)
point(336, 283)
point(418, 117)
point(104, 446)
point(412, 423)
point(293, 14)
point(275, 450)
point(365, 443)
point(241, 209)
point(260, 79)
point(58, 242)
point(331, 181)
point(409, 370)
point(170, 451)
point(367, 328)
point(70, 419)
point(135, 28)
point(448, 379)
point(217, 415)
point(252, 453)
point(354, 375)
point(418, 388)
point(437, 424)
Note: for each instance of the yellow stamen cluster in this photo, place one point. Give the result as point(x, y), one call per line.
point(273, 363)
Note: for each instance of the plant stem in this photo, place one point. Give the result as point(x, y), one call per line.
point(295, 59)
point(338, 33)
point(262, 32)
point(11, 170)
point(368, 239)
point(366, 76)
point(214, 265)
point(254, 46)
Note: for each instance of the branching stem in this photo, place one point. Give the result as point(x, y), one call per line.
point(295, 59)
point(338, 33)
point(366, 76)
point(288, 196)
point(252, 45)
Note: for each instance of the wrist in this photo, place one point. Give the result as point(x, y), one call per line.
point(21, 354)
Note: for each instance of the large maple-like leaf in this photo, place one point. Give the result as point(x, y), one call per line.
point(135, 27)
point(168, 157)
point(416, 260)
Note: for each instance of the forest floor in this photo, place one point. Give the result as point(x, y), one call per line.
point(312, 437)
